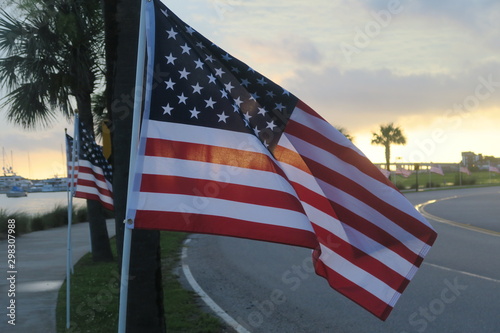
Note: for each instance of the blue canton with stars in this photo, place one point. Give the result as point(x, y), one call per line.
point(201, 84)
point(92, 152)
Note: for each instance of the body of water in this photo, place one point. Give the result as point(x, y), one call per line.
point(37, 202)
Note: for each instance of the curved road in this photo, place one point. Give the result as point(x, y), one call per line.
point(272, 288)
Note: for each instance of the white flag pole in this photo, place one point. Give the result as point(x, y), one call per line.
point(138, 98)
point(69, 259)
point(70, 216)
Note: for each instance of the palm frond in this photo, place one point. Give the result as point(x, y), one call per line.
point(27, 107)
point(10, 31)
point(100, 112)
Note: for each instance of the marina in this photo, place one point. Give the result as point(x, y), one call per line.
point(11, 182)
point(32, 196)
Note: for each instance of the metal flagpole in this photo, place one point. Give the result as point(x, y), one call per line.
point(70, 216)
point(75, 152)
point(69, 262)
point(138, 98)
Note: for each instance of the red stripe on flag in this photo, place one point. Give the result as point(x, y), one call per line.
point(212, 154)
point(220, 190)
point(91, 196)
point(92, 172)
point(220, 225)
point(290, 157)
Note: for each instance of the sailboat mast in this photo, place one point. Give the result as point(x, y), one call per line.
point(29, 166)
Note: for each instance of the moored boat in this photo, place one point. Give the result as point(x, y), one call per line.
point(16, 192)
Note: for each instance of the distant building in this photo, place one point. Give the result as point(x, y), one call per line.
point(472, 160)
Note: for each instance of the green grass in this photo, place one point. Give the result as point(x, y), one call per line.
point(26, 223)
point(23, 222)
point(95, 295)
point(449, 179)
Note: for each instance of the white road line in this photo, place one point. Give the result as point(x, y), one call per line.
point(463, 272)
point(203, 295)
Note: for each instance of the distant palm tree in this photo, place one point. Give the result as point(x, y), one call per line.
point(389, 134)
point(53, 55)
point(344, 132)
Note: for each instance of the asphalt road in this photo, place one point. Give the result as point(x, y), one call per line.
point(271, 287)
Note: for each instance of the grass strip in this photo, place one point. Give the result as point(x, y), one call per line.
point(449, 180)
point(95, 295)
point(26, 223)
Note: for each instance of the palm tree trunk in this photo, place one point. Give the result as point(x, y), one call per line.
point(388, 159)
point(101, 248)
point(388, 156)
point(99, 238)
point(145, 312)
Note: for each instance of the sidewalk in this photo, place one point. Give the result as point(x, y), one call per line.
point(41, 270)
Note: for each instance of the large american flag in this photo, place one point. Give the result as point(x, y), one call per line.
point(226, 151)
point(94, 172)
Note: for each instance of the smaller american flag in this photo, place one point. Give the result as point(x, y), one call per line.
point(94, 172)
point(403, 172)
point(494, 169)
point(385, 172)
point(72, 175)
point(437, 169)
point(465, 170)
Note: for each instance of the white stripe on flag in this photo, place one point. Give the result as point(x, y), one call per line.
point(225, 208)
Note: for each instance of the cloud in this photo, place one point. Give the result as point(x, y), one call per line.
point(479, 15)
point(360, 97)
point(20, 141)
point(292, 49)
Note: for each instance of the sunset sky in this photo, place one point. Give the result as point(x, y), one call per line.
point(433, 68)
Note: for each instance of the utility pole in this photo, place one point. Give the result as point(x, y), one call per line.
point(416, 166)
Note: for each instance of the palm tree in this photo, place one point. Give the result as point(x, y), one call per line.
point(54, 53)
point(389, 134)
point(53, 57)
